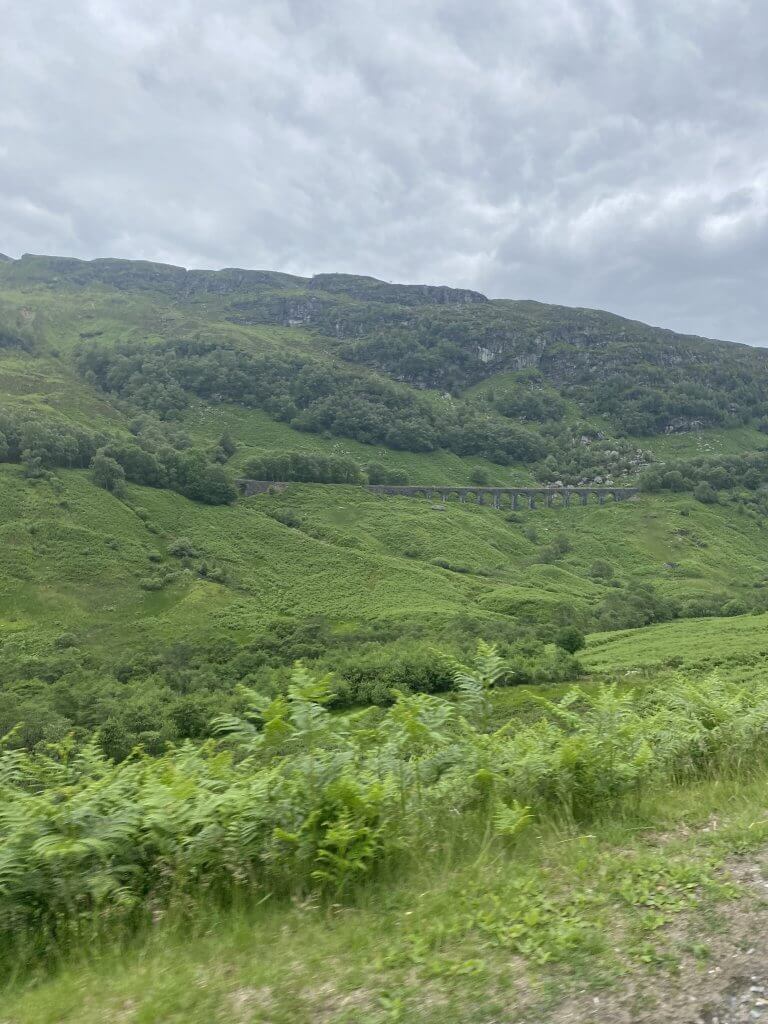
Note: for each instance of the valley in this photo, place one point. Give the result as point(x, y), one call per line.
point(349, 747)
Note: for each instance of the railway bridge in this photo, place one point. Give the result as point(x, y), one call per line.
point(497, 497)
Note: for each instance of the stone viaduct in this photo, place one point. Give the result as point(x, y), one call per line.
point(498, 497)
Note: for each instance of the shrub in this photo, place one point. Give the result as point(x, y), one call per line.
point(182, 547)
point(108, 473)
point(562, 544)
point(601, 570)
point(375, 677)
point(316, 802)
point(377, 473)
point(152, 582)
point(286, 517)
point(673, 481)
point(570, 639)
point(705, 493)
point(479, 475)
point(65, 641)
point(734, 607)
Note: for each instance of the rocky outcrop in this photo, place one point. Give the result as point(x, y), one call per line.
point(370, 289)
point(141, 274)
point(128, 275)
point(683, 425)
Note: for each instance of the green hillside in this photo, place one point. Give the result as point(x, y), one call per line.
point(148, 569)
point(164, 761)
point(78, 560)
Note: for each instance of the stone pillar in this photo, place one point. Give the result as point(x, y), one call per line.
point(550, 498)
point(497, 499)
point(601, 497)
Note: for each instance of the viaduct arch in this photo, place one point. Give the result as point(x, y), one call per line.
point(497, 497)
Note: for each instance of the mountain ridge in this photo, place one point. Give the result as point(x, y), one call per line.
point(645, 380)
point(146, 273)
point(122, 273)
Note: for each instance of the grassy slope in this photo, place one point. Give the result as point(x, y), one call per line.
point(704, 443)
point(256, 431)
point(73, 562)
point(693, 643)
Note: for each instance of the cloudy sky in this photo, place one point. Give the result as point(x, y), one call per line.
point(609, 153)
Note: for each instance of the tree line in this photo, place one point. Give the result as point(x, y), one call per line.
point(309, 395)
point(312, 467)
point(41, 443)
point(706, 476)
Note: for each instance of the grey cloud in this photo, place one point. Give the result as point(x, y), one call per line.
point(608, 153)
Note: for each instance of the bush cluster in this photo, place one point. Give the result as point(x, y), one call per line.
point(151, 457)
point(297, 800)
point(304, 467)
point(706, 476)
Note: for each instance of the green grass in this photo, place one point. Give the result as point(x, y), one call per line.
point(742, 639)
point(74, 561)
point(479, 934)
point(473, 933)
point(255, 432)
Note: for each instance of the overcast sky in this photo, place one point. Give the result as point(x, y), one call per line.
point(605, 153)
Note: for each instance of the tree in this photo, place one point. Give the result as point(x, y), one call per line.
point(705, 493)
point(114, 740)
point(652, 480)
point(106, 472)
point(202, 481)
point(33, 465)
point(570, 639)
point(227, 444)
point(673, 481)
point(601, 570)
point(376, 473)
point(479, 475)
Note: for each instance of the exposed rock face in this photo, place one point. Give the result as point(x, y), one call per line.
point(4, 258)
point(369, 289)
point(139, 274)
point(129, 274)
point(682, 425)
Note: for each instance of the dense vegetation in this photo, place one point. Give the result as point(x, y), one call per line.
point(309, 801)
point(645, 380)
point(317, 469)
point(706, 476)
point(208, 702)
point(309, 395)
point(153, 457)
